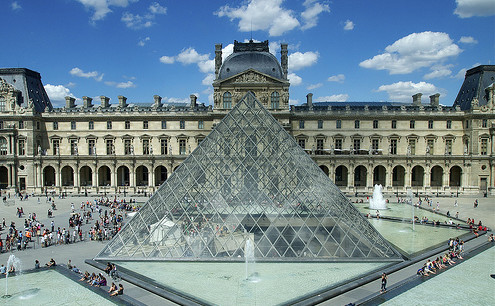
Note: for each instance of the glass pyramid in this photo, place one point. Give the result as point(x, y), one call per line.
point(248, 180)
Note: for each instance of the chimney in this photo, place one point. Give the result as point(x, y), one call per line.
point(193, 101)
point(309, 100)
point(70, 102)
point(417, 99)
point(284, 59)
point(122, 101)
point(435, 99)
point(218, 59)
point(87, 102)
point(158, 101)
point(105, 101)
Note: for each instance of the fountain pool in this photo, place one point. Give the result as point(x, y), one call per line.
point(377, 201)
point(49, 287)
point(223, 283)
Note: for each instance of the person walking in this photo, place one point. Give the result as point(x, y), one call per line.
point(384, 283)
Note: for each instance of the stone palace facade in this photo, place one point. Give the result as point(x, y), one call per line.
point(123, 147)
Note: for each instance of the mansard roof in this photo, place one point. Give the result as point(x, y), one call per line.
point(473, 87)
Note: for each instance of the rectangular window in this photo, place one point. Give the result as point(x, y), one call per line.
point(394, 124)
point(320, 124)
point(109, 144)
point(109, 125)
point(449, 124)
point(484, 146)
point(22, 147)
point(1, 124)
point(429, 146)
point(467, 124)
point(146, 146)
point(127, 125)
point(163, 146)
point(357, 145)
point(302, 143)
point(412, 124)
point(484, 123)
point(55, 146)
point(55, 125)
point(375, 145)
point(72, 125)
point(448, 147)
point(301, 124)
point(91, 147)
point(182, 124)
point(145, 125)
point(127, 147)
point(73, 147)
point(201, 124)
point(393, 146)
point(356, 124)
point(338, 144)
point(430, 124)
point(164, 124)
point(21, 125)
point(319, 146)
point(91, 125)
point(182, 146)
point(338, 124)
point(412, 146)
point(375, 124)
point(38, 125)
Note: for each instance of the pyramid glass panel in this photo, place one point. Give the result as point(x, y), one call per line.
point(248, 180)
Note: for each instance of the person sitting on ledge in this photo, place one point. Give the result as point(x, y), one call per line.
point(120, 291)
point(108, 268)
point(36, 264)
point(51, 263)
point(491, 238)
point(112, 288)
point(85, 276)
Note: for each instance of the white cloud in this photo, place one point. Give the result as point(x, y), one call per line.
point(403, 91)
point(339, 78)
point(57, 93)
point(293, 101)
point(143, 41)
point(167, 59)
point(468, 40)
point(310, 14)
point(349, 25)
point(208, 80)
point(124, 85)
point(261, 15)
point(177, 100)
point(333, 98)
point(294, 79)
point(92, 74)
point(191, 56)
point(156, 9)
point(470, 8)
point(15, 6)
point(102, 7)
point(414, 51)
point(439, 71)
point(314, 86)
point(70, 84)
point(298, 60)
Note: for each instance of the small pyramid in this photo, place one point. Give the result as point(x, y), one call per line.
point(248, 180)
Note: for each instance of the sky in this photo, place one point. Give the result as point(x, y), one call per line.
point(340, 50)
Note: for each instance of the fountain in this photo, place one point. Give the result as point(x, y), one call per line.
point(12, 262)
point(410, 200)
point(251, 274)
point(377, 201)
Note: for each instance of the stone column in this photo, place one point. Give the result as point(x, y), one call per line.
point(408, 177)
point(113, 177)
point(9, 176)
point(350, 177)
point(427, 177)
point(369, 178)
point(445, 179)
point(58, 177)
point(76, 178)
point(151, 177)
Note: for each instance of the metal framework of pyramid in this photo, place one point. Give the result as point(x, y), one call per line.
point(248, 180)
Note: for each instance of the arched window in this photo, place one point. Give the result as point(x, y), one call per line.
point(275, 98)
point(227, 100)
point(3, 146)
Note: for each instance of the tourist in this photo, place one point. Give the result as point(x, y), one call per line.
point(51, 263)
point(384, 283)
point(3, 269)
point(455, 203)
point(475, 203)
point(36, 264)
point(120, 291)
point(69, 265)
point(378, 214)
point(457, 215)
point(85, 276)
point(112, 288)
point(491, 238)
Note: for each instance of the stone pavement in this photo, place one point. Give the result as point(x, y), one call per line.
point(76, 252)
point(80, 251)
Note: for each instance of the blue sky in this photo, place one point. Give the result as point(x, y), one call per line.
point(352, 50)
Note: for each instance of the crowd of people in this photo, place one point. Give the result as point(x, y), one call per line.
point(456, 248)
